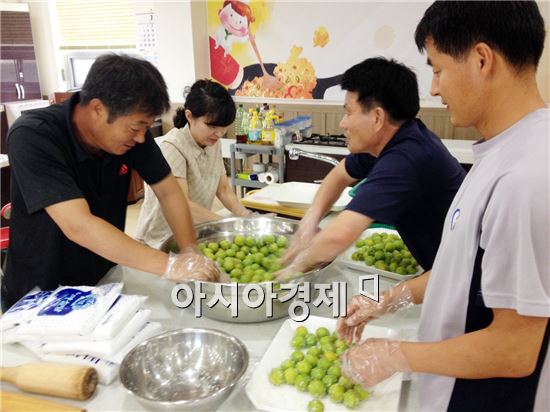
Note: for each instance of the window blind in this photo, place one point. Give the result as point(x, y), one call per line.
point(96, 24)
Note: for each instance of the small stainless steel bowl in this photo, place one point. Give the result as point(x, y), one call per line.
point(187, 369)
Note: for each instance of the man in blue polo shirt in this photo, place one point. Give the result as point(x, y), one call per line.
point(411, 177)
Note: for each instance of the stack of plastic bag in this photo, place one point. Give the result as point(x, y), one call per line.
point(84, 325)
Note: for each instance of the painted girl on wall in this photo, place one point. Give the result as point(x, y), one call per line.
point(235, 17)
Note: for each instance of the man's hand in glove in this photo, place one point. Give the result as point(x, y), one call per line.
point(190, 265)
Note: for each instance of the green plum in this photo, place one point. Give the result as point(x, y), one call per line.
point(315, 406)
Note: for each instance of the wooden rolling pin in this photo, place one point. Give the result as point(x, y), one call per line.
point(16, 402)
point(55, 379)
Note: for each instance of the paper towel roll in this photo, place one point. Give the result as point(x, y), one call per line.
point(261, 177)
point(271, 177)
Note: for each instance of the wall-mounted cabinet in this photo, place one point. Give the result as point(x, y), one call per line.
point(19, 74)
point(18, 67)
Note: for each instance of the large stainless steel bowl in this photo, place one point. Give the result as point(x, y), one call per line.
point(188, 369)
point(255, 226)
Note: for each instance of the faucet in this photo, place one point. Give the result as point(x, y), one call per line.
point(294, 153)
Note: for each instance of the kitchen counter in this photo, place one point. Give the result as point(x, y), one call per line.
point(460, 149)
point(256, 336)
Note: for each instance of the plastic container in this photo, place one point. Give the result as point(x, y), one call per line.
point(254, 128)
point(241, 125)
point(268, 132)
point(293, 130)
point(279, 138)
point(303, 122)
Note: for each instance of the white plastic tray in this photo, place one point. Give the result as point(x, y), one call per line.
point(267, 397)
point(360, 265)
point(301, 195)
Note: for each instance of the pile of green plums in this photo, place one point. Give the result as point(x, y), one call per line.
point(314, 367)
point(385, 252)
point(247, 259)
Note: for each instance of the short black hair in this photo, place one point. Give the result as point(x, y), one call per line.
point(514, 28)
point(125, 85)
point(207, 98)
point(384, 82)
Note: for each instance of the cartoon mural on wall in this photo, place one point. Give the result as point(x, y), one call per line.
point(235, 18)
point(294, 78)
point(298, 50)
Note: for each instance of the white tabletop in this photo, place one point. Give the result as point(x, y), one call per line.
point(256, 336)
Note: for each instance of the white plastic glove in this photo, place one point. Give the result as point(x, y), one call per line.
point(289, 272)
point(190, 265)
point(251, 213)
point(362, 310)
point(270, 214)
point(304, 262)
point(308, 228)
point(373, 361)
point(243, 212)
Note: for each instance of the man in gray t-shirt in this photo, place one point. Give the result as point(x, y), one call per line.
point(484, 326)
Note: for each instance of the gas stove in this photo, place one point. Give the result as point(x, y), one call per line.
point(324, 140)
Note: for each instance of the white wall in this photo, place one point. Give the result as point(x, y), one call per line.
point(174, 44)
point(46, 55)
point(201, 42)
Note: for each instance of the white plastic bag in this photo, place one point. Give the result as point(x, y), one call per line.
point(101, 348)
point(25, 308)
point(72, 310)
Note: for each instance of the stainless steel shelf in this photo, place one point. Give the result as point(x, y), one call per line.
point(249, 183)
point(250, 150)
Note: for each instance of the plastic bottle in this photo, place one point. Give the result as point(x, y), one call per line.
point(275, 115)
point(240, 134)
point(264, 110)
point(248, 122)
point(261, 115)
point(238, 117)
point(268, 131)
point(254, 128)
point(279, 138)
point(244, 128)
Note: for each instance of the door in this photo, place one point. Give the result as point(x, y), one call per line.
point(28, 75)
point(19, 75)
point(9, 88)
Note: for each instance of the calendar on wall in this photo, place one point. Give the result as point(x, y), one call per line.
point(146, 36)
